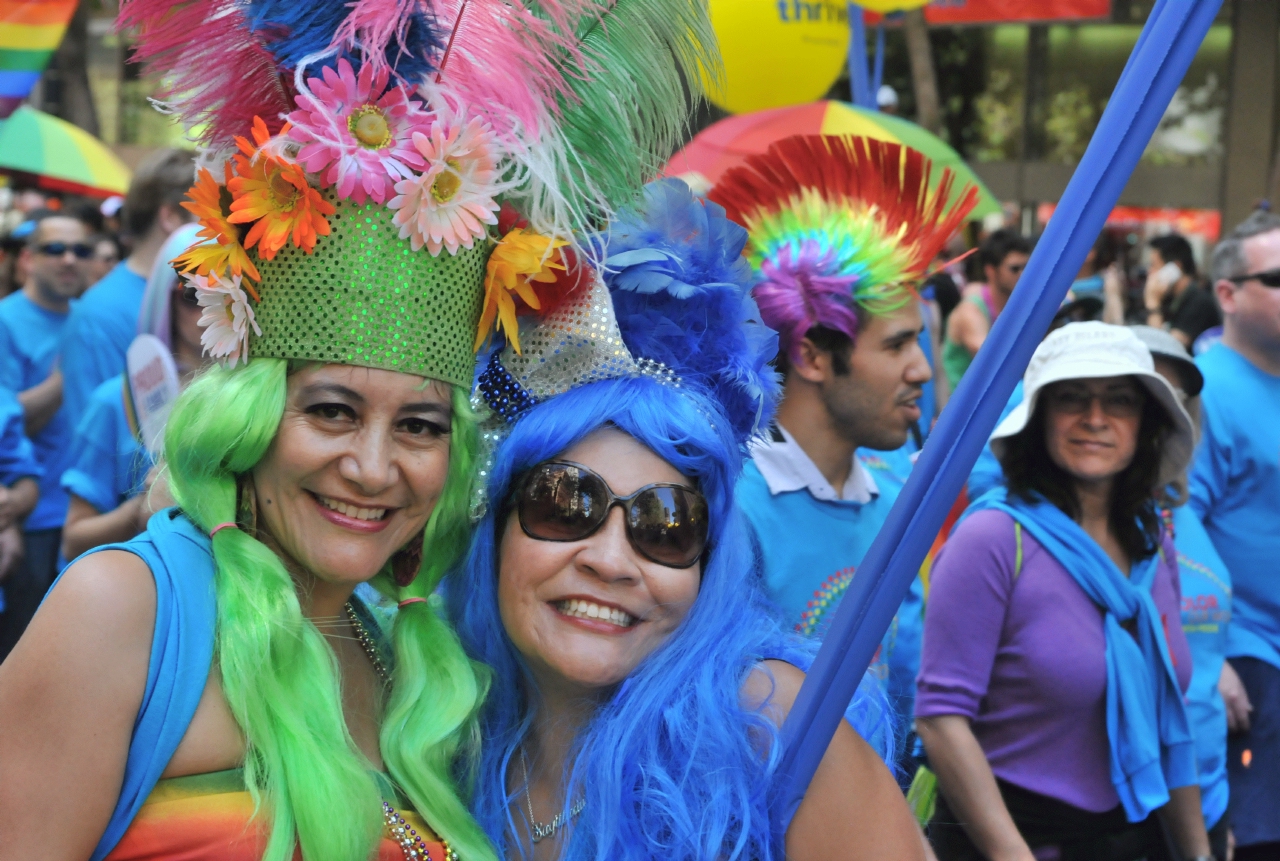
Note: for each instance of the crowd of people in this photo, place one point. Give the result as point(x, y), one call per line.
point(64, 333)
point(364, 592)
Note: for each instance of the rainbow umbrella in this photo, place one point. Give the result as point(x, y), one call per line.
point(30, 31)
point(722, 145)
point(62, 157)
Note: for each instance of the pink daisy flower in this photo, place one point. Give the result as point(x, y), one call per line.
point(449, 204)
point(356, 132)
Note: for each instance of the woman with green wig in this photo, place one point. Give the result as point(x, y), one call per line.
point(262, 674)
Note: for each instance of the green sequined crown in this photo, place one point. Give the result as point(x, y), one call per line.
point(365, 297)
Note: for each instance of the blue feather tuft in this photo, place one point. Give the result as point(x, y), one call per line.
point(293, 30)
point(681, 294)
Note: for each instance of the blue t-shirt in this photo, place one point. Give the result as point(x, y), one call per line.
point(17, 454)
point(29, 337)
point(1235, 491)
point(109, 464)
point(1206, 610)
point(810, 550)
point(102, 326)
point(987, 472)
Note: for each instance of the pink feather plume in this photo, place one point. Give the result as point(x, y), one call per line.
point(508, 63)
point(216, 73)
point(372, 25)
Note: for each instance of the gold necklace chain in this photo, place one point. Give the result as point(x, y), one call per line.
point(366, 643)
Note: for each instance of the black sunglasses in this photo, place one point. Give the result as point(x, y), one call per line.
point(566, 501)
point(58, 249)
point(1270, 278)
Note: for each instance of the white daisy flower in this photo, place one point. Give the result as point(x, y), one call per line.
point(227, 317)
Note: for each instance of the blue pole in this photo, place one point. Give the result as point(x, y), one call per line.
point(1159, 61)
point(877, 77)
point(859, 86)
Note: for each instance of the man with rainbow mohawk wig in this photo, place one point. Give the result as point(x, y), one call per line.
point(841, 230)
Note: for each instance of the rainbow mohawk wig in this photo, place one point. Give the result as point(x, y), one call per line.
point(836, 222)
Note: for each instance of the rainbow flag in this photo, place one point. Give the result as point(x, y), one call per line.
point(30, 31)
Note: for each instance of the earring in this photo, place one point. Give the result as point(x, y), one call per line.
point(247, 505)
point(406, 561)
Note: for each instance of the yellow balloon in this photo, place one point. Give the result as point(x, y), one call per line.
point(778, 52)
point(884, 7)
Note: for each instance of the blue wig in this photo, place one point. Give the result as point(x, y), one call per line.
point(671, 766)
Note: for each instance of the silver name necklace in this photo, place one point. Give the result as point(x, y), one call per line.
point(543, 831)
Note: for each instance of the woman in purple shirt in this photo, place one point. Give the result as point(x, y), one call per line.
point(1050, 689)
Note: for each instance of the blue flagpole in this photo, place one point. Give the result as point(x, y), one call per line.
point(1165, 49)
point(859, 85)
point(877, 76)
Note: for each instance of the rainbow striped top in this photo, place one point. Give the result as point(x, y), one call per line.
point(210, 817)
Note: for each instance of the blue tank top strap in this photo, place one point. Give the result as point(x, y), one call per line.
point(181, 560)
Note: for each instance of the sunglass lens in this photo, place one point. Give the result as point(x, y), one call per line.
point(1270, 279)
point(669, 525)
point(561, 502)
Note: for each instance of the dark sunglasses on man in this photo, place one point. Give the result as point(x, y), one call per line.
point(566, 501)
point(81, 250)
point(1270, 278)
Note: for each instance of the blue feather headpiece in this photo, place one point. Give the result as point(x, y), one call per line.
point(673, 302)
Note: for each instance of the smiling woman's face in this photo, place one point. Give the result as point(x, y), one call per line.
point(355, 469)
point(548, 591)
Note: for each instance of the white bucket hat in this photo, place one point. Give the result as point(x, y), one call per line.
point(1082, 351)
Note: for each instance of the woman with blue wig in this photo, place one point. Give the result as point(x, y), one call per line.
point(639, 682)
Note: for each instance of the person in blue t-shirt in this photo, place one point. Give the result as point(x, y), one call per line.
point(20, 474)
point(1206, 599)
point(1235, 490)
point(105, 321)
point(31, 323)
point(111, 480)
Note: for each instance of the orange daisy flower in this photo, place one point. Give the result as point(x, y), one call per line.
point(273, 195)
point(519, 260)
point(226, 252)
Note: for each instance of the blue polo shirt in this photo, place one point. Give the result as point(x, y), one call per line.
point(1235, 491)
point(109, 464)
point(1206, 610)
point(17, 454)
point(102, 326)
point(29, 338)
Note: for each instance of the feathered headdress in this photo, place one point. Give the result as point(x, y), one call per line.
point(359, 155)
point(673, 303)
point(836, 222)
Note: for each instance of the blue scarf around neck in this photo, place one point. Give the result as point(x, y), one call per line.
point(1152, 750)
